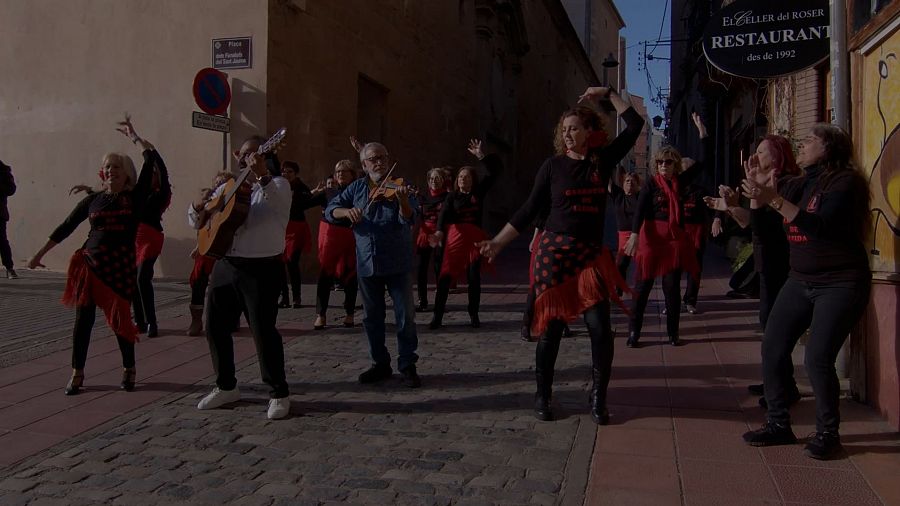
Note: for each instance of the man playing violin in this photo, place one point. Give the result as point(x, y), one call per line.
point(383, 213)
point(248, 279)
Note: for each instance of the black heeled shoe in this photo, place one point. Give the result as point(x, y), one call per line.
point(632, 341)
point(475, 321)
point(75, 383)
point(674, 340)
point(129, 374)
point(152, 330)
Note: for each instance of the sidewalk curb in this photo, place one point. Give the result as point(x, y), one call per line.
point(578, 467)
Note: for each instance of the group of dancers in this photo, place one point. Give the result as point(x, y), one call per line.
point(814, 220)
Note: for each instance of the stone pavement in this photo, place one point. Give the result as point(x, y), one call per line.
point(466, 437)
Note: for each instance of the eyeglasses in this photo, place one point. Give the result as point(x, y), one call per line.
point(667, 161)
point(377, 158)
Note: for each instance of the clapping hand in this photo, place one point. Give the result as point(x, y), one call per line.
point(356, 144)
point(488, 249)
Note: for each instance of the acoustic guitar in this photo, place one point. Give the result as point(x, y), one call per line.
point(227, 212)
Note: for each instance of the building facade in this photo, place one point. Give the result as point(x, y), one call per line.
point(422, 77)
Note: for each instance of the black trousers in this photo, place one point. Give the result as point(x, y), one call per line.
point(198, 289)
point(81, 339)
point(323, 294)
point(425, 255)
point(770, 282)
point(5, 249)
point(293, 275)
point(144, 302)
point(596, 318)
point(528, 314)
point(622, 263)
point(250, 285)
point(671, 284)
point(473, 277)
point(829, 311)
point(692, 289)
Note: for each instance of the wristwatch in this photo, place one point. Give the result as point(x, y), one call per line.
point(776, 203)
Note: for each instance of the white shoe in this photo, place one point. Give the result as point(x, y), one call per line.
point(218, 398)
point(279, 408)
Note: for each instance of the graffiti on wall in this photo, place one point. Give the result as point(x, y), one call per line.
point(880, 151)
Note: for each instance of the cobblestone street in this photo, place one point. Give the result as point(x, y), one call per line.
point(466, 437)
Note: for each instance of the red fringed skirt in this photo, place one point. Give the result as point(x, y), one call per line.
point(337, 251)
point(569, 276)
point(203, 266)
point(696, 233)
point(662, 249)
point(459, 249)
point(84, 288)
point(297, 238)
point(425, 231)
point(623, 238)
point(148, 243)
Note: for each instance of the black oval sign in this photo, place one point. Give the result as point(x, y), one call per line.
point(768, 38)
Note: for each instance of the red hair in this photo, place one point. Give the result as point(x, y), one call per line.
point(783, 159)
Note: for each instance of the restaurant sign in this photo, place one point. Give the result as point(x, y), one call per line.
point(768, 38)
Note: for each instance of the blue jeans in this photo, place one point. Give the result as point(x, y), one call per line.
point(399, 286)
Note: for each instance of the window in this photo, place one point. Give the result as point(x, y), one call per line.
point(865, 10)
point(371, 110)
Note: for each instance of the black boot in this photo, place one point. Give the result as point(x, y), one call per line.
point(599, 413)
point(545, 360)
point(633, 338)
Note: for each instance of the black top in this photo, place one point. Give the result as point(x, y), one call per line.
point(653, 203)
point(157, 200)
point(7, 189)
point(469, 207)
point(770, 245)
point(824, 236)
point(624, 206)
point(695, 210)
point(322, 200)
point(576, 190)
point(300, 200)
point(431, 205)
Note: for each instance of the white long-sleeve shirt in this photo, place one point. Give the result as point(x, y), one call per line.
point(262, 234)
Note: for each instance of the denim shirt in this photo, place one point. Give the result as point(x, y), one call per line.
point(383, 238)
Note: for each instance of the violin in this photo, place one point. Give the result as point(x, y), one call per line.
point(386, 191)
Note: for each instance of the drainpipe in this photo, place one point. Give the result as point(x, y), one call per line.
point(840, 64)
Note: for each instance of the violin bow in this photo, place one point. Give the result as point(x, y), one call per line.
point(387, 177)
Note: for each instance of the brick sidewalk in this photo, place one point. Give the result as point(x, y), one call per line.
point(466, 437)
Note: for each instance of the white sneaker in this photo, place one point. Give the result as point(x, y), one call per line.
point(218, 398)
point(279, 408)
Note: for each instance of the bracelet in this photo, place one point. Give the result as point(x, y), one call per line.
point(776, 203)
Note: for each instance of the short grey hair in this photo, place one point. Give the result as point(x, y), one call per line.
point(370, 145)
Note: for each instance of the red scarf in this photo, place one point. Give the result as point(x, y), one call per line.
point(672, 193)
point(435, 193)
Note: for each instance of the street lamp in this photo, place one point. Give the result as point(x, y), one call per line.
point(609, 63)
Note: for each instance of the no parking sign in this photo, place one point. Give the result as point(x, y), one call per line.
point(211, 91)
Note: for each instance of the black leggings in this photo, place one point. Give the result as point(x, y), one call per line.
point(81, 338)
point(424, 255)
point(144, 303)
point(323, 294)
point(198, 289)
point(473, 277)
point(5, 250)
point(293, 275)
point(671, 284)
point(829, 311)
point(693, 285)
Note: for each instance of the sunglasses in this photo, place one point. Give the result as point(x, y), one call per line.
point(667, 161)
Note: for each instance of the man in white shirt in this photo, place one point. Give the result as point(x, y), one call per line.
point(249, 279)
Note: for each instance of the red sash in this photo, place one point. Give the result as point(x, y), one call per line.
point(459, 249)
point(84, 288)
point(337, 251)
point(297, 238)
point(148, 243)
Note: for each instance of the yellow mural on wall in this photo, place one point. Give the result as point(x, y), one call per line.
point(880, 151)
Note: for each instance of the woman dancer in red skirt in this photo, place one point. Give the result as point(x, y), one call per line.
point(431, 202)
point(662, 247)
point(297, 237)
point(462, 217)
point(573, 273)
point(102, 271)
point(337, 250)
point(624, 201)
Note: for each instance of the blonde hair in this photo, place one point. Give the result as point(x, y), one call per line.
point(345, 164)
point(671, 152)
point(127, 165)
